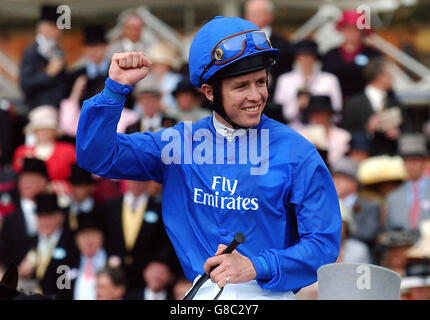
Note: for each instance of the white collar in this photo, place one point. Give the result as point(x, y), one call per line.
point(376, 97)
point(132, 201)
point(225, 131)
point(151, 295)
point(85, 206)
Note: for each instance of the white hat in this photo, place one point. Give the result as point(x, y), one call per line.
point(42, 117)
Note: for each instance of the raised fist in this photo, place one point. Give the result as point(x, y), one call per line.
point(129, 68)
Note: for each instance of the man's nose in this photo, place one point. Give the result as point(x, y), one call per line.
point(253, 94)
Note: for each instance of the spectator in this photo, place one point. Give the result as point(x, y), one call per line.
point(53, 247)
point(410, 202)
point(375, 111)
point(8, 192)
point(306, 77)
point(82, 188)
point(321, 130)
point(89, 239)
point(351, 250)
point(165, 61)
point(131, 37)
point(148, 97)
point(181, 287)
point(416, 283)
point(20, 227)
point(111, 284)
point(366, 213)
point(348, 60)
point(135, 232)
point(58, 156)
point(188, 101)
point(42, 70)
point(262, 14)
point(394, 246)
point(87, 81)
point(158, 280)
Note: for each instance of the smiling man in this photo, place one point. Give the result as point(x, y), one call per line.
point(288, 213)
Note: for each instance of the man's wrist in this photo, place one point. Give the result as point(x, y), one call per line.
point(116, 90)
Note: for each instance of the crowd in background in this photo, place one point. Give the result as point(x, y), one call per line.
point(110, 233)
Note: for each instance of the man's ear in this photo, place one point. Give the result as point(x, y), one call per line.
point(208, 92)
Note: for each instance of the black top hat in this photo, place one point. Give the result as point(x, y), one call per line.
point(185, 85)
point(47, 203)
point(319, 103)
point(88, 220)
point(48, 13)
point(34, 165)
point(94, 34)
point(412, 145)
point(80, 176)
point(306, 46)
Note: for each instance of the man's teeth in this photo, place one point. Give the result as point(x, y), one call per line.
point(251, 109)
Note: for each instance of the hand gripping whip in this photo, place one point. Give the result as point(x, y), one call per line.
point(238, 239)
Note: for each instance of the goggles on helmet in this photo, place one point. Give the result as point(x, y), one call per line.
point(232, 47)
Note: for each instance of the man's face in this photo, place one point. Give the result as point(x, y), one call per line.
point(96, 52)
point(89, 241)
point(47, 224)
point(132, 28)
point(49, 30)
point(344, 185)
point(244, 98)
point(151, 103)
point(185, 100)
point(257, 12)
point(157, 276)
point(30, 184)
point(107, 290)
point(79, 192)
point(415, 167)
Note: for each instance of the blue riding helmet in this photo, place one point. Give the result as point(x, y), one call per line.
point(228, 42)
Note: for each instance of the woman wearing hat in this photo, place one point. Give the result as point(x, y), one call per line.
point(306, 77)
point(58, 156)
point(289, 213)
point(348, 60)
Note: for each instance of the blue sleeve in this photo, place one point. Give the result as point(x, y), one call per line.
point(103, 151)
point(316, 206)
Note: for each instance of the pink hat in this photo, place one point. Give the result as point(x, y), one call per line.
point(350, 18)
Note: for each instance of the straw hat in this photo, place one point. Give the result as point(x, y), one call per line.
point(381, 169)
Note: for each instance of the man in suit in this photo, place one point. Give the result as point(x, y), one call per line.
point(148, 97)
point(53, 247)
point(131, 38)
point(89, 238)
point(262, 14)
point(409, 204)
point(96, 66)
point(42, 70)
point(82, 188)
point(20, 227)
point(367, 111)
point(366, 214)
point(135, 232)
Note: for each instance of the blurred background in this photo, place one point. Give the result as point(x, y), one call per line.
point(353, 77)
